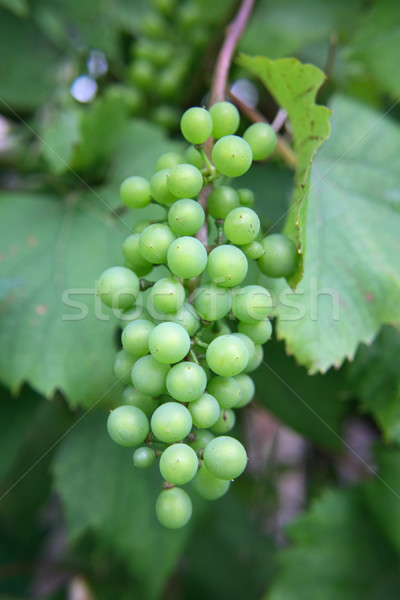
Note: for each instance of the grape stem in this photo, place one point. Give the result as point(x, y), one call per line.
point(282, 147)
point(233, 34)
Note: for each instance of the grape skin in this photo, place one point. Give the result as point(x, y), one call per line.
point(174, 508)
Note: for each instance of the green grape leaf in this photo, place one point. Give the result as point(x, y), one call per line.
point(376, 46)
point(59, 136)
point(294, 87)
point(54, 333)
point(374, 377)
point(312, 406)
point(102, 493)
point(28, 64)
point(334, 554)
point(351, 283)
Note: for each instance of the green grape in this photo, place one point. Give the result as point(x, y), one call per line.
point(209, 487)
point(178, 464)
point(212, 302)
point(135, 192)
point(226, 390)
point(159, 53)
point(186, 217)
point(247, 389)
point(261, 138)
point(253, 250)
point(174, 508)
point(135, 337)
point(246, 197)
point(186, 257)
point(128, 426)
point(159, 188)
point(227, 266)
point(227, 355)
point(166, 115)
point(207, 334)
point(241, 225)
point(225, 457)
point(169, 343)
point(171, 422)
point(259, 332)
point(255, 359)
point(167, 295)
point(118, 287)
point(144, 457)
point(186, 381)
point(149, 376)
point(196, 125)
point(194, 157)
point(142, 73)
point(184, 181)
point(280, 258)
point(205, 411)
point(187, 317)
point(226, 421)
point(169, 160)
point(247, 342)
point(132, 97)
point(226, 119)
point(154, 26)
point(251, 303)
point(170, 79)
point(154, 242)
point(221, 201)
point(167, 7)
point(202, 437)
point(123, 365)
point(132, 397)
point(141, 225)
point(130, 249)
point(232, 156)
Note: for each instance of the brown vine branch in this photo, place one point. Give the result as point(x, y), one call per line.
point(233, 34)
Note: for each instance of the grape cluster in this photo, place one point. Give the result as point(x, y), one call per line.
point(187, 353)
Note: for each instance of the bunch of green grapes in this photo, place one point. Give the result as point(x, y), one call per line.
point(172, 38)
point(188, 352)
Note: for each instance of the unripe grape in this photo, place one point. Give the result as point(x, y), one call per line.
point(227, 266)
point(171, 422)
point(169, 343)
point(142, 73)
point(131, 252)
point(135, 337)
point(255, 360)
point(165, 115)
point(132, 397)
point(226, 390)
point(167, 295)
point(186, 257)
point(194, 157)
point(128, 426)
point(232, 156)
point(178, 464)
point(225, 117)
point(280, 258)
point(186, 217)
point(253, 250)
point(225, 457)
point(169, 160)
point(135, 192)
point(209, 487)
point(184, 181)
point(186, 381)
point(226, 421)
point(246, 197)
point(187, 317)
point(212, 302)
point(221, 201)
point(261, 138)
point(205, 411)
point(259, 332)
point(196, 125)
point(247, 389)
point(144, 457)
point(123, 365)
point(227, 355)
point(159, 188)
point(149, 376)
point(154, 242)
point(241, 225)
point(118, 287)
point(174, 508)
point(203, 436)
point(251, 303)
